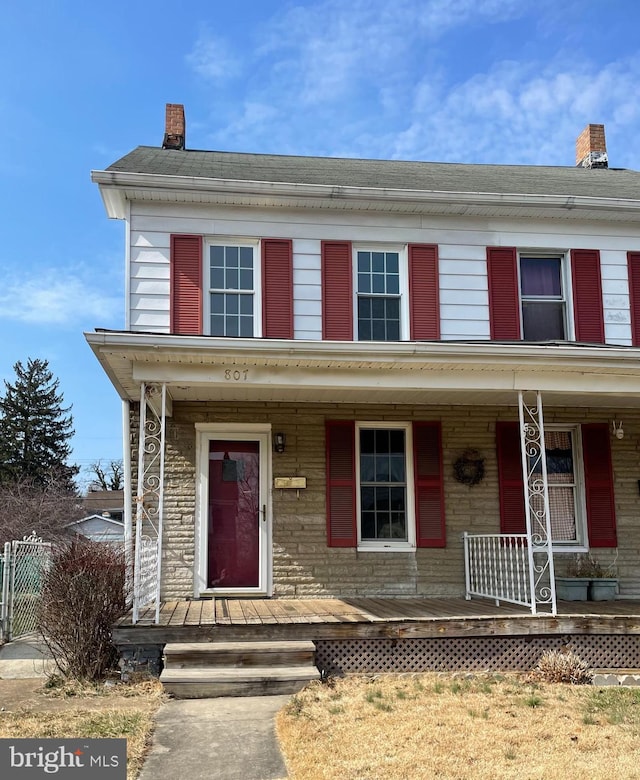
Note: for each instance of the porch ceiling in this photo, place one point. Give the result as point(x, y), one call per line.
point(200, 368)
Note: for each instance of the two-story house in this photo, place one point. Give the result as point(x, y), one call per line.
point(333, 369)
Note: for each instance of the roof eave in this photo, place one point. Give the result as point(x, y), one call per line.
point(116, 187)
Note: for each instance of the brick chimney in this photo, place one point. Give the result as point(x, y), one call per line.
point(591, 148)
point(174, 128)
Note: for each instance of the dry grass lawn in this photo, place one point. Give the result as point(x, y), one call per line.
point(30, 710)
point(401, 727)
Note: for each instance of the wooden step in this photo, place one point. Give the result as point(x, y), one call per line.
point(182, 655)
point(194, 683)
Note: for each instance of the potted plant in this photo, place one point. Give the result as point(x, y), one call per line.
point(575, 585)
point(604, 582)
point(587, 578)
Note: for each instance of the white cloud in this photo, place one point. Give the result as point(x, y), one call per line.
point(375, 78)
point(212, 59)
point(57, 299)
point(522, 113)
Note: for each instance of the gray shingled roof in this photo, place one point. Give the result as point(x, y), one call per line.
point(393, 174)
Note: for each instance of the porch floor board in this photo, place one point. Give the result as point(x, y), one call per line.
point(332, 618)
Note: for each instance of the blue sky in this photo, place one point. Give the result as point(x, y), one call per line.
point(496, 81)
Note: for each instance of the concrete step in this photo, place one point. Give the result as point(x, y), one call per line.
point(183, 655)
point(194, 683)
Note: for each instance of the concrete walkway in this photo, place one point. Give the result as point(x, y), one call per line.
point(221, 739)
point(196, 739)
point(25, 658)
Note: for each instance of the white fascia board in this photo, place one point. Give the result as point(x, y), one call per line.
point(115, 202)
point(206, 350)
point(336, 379)
point(122, 181)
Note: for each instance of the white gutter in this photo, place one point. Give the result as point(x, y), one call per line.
point(114, 183)
point(367, 352)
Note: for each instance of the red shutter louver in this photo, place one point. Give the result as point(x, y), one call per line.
point(504, 295)
point(587, 295)
point(277, 288)
point(186, 285)
point(598, 478)
point(337, 291)
point(424, 292)
point(341, 484)
point(510, 479)
point(633, 264)
point(429, 489)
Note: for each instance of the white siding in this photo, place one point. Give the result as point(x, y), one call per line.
point(615, 295)
point(464, 300)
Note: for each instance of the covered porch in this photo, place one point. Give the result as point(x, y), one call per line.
point(208, 379)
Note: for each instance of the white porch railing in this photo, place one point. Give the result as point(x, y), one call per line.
point(497, 567)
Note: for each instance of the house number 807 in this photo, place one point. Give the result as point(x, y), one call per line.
point(236, 376)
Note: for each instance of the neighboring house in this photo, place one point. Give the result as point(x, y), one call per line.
point(99, 528)
point(105, 502)
point(331, 358)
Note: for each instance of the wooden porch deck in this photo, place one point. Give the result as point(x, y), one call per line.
point(237, 619)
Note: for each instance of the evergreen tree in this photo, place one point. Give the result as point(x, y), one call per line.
point(35, 428)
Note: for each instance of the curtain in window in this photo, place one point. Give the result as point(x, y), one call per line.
point(540, 276)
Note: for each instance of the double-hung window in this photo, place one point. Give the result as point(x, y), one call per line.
point(564, 480)
point(232, 273)
point(385, 486)
point(380, 294)
point(543, 297)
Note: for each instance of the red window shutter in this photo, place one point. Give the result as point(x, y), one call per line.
point(429, 489)
point(510, 479)
point(504, 295)
point(598, 478)
point(587, 295)
point(277, 288)
point(424, 292)
point(633, 262)
point(186, 285)
point(341, 483)
point(337, 291)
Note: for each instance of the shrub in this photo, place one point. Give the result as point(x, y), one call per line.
point(83, 595)
point(563, 666)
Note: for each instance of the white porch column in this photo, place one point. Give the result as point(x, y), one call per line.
point(149, 499)
point(536, 501)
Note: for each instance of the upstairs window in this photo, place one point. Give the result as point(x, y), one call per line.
point(542, 294)
point(379, 296)
point(232, 287)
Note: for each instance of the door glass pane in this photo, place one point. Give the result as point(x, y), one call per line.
point(234, 514)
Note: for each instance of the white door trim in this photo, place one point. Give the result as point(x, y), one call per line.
point(206, 432)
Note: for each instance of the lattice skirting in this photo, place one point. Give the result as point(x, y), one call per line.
point(513, 653)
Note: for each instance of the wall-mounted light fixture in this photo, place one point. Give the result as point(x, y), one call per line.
point(618, 431)
point(279, 441)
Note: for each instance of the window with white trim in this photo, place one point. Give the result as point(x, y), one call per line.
point(232, 281)
point(385, 486)
point(563, 451)
point(380, 284)
point(543, 298)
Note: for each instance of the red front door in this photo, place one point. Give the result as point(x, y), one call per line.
point(234, 514)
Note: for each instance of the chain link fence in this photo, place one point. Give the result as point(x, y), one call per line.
point(23, 565)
